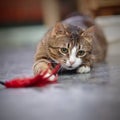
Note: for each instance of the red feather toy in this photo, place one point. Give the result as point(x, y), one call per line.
point(39, 80)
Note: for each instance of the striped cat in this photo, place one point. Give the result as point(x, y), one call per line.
point(76, 43)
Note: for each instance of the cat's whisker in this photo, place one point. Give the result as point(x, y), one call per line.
point(61, 68)
point(52, 62)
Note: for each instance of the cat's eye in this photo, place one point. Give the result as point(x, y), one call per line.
point(64, 50)
point(81, 53)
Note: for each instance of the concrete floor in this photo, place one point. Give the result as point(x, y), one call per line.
point(93, 96)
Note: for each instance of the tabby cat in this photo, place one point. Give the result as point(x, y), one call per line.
point(76, 43)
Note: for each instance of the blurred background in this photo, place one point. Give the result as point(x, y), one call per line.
point(25, 21)
point(94, 96)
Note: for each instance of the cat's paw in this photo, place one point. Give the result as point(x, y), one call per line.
point(51, 78)
point(84, 69)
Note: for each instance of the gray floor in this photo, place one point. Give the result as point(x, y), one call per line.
point(93, 96)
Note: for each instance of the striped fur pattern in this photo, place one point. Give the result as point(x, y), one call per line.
point(73, 44)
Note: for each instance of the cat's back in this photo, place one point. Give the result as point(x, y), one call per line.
point(79, 20)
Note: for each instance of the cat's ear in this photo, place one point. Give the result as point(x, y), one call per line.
point(89, 34)
point(58, 29)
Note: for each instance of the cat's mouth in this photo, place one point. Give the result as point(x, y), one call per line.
point(68, 67)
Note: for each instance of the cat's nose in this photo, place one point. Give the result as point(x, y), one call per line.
point(72, 62)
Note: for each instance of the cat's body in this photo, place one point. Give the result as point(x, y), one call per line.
point(75, 43)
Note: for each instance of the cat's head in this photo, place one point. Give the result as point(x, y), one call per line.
point(69, 45)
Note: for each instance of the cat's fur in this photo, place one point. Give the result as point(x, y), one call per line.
point(75, 43)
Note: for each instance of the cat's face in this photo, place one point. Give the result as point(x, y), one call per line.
point(69, 49)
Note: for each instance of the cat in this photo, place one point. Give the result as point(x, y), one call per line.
point(76, 43)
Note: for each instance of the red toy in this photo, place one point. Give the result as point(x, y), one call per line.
point(38, 80)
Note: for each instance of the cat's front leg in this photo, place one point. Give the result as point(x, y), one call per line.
point(84, 69)
point(86, 66)
point(41, 66)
